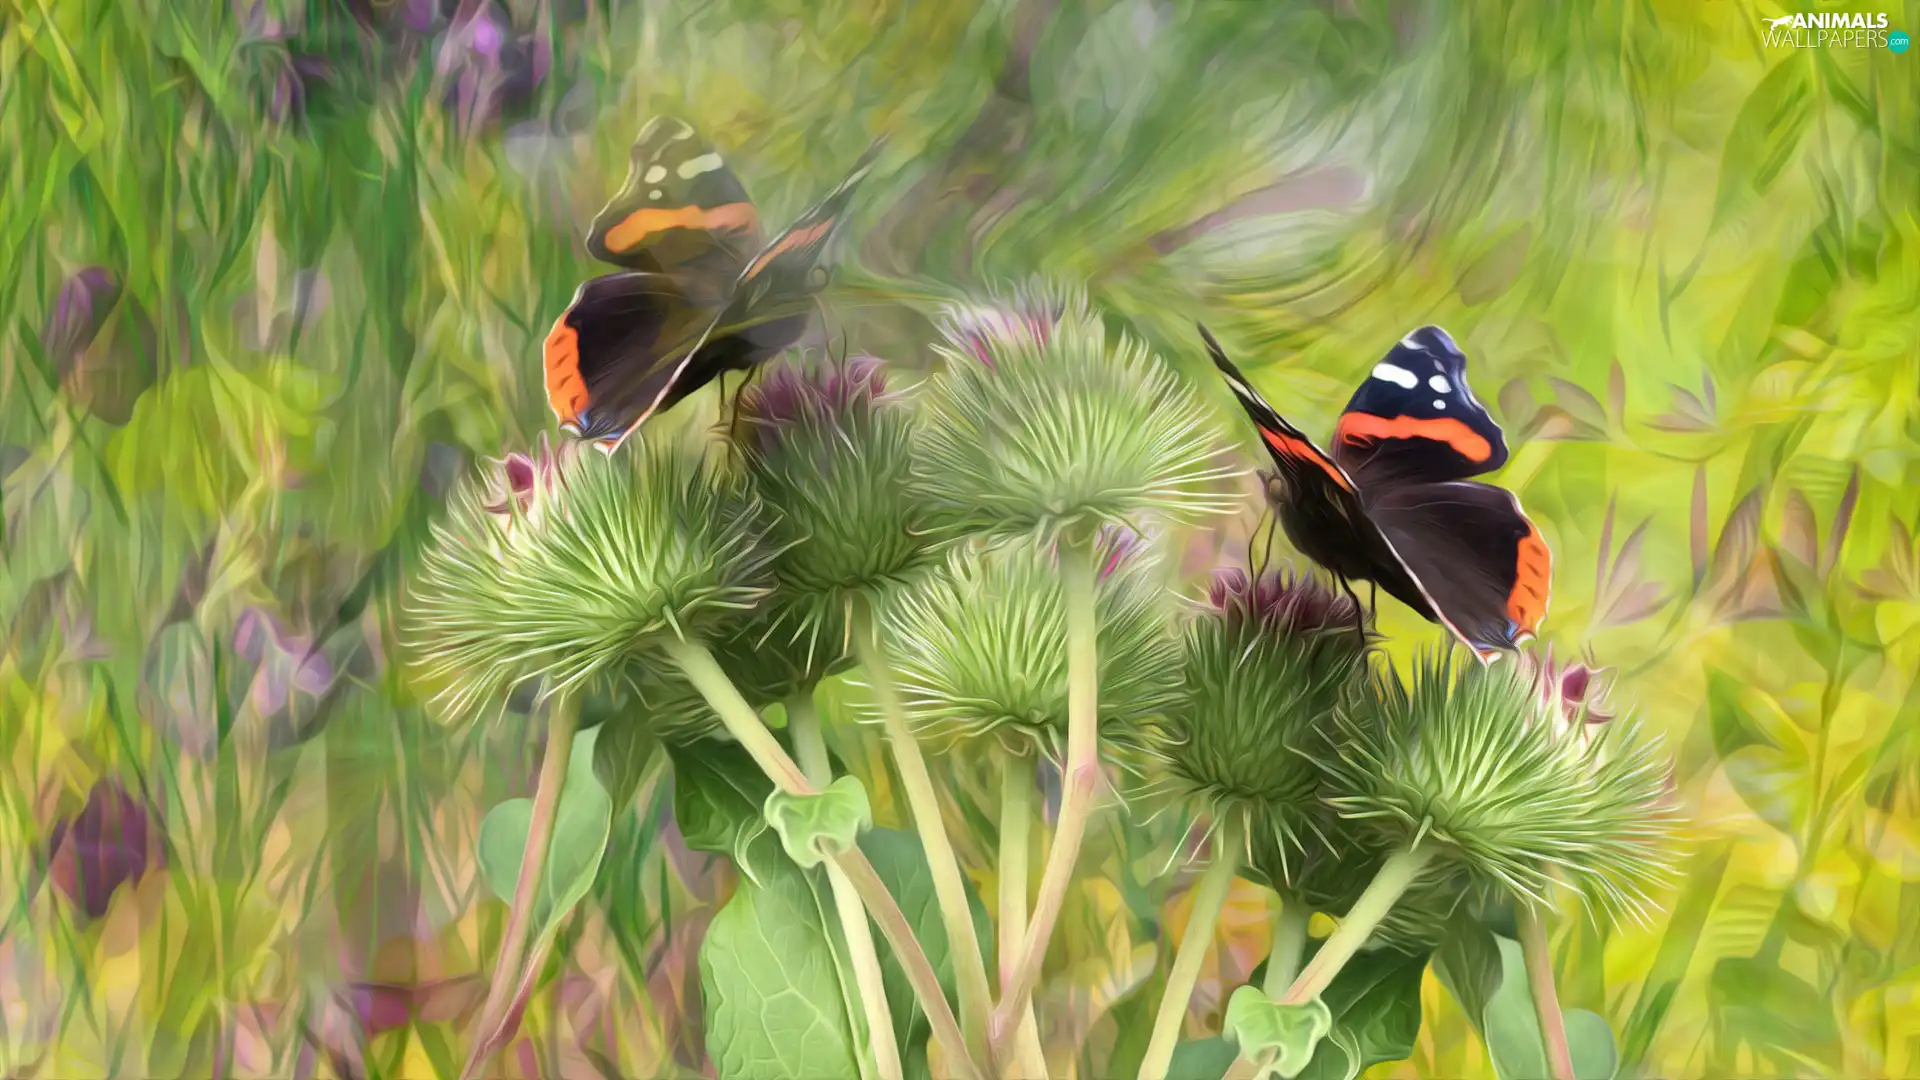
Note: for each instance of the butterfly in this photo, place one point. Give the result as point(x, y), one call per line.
point(1394, 505)
point(701, 291)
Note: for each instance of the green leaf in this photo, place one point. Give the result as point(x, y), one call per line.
point(901, 863)
point(1468, 964)
point(1375, 1007)
point(580, 830)
point(1202, 1059)
point(1765, 134)
point(1285, 1035)
point(1512, 1031)
point(816, 827)
point(775, 1003)
point(621, 754)
point(718, 793)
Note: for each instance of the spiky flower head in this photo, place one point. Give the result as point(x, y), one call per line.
point(1045, 421)
point(1263, 665)
point(1467, 758)
point(980, 649)
point(829, 453)
point(589, 568)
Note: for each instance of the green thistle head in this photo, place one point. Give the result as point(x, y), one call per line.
point(572, 566)
point(1264, 664)
point(829, 453)
point(981, 648)
point(1478, 762)
point(1044, 421)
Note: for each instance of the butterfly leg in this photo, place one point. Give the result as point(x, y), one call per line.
point(1359, 623)
point(1373, 600)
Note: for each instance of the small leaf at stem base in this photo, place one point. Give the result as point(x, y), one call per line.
point(1282, 1035)
point(816, 827)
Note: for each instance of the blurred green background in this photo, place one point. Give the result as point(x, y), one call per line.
point(276, 276)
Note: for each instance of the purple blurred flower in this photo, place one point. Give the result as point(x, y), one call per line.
point(791, 393)
point(1285, 602)
point(442, 465)
point(981, 330)
point(1574, 692)
point(285, 662)
point(78, 312)
point(104, 846)
point(518, 481)
point(488, 68)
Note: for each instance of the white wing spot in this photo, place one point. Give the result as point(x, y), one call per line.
point(655, 194)
point(1439, 384)
point(685, 132)
point(1411, 341)
point(1396, 375)
point(693, 167)
point(656, 174)
point(1438, 404)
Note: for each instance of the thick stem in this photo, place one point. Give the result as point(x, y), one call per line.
point(706, 675)
point(1016, 830)
point(1546, 999)
point(1077, 784)
point(1289, 945)
point(949, 886)
point(803, 724)
point(1389, 884)
point(1210, 895)
point(562, 719)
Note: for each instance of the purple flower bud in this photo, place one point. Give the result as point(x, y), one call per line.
point(1575, 692)
point(790, 393)
point(78, 313)
point(103, 847)
point(1283, 602)
point(982, 331)
point(520, 481)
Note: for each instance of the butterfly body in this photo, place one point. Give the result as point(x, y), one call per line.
point(1393, 503)
point(701, 291)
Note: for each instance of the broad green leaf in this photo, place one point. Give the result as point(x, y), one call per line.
point(1375, 1007)
point(579, 841)
point(1512, 1030)
point(1468, 964)
point(901, 863)
point(776, 1007)
point(1284, 1035)
point(1202, 1059)
point(1780, 1015)
point(718, 793)
point(815, 827)
point(624, 748)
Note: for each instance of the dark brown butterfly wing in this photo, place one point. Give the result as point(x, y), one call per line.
point(681, 208)
point(1415, 419)
point(1481, 563)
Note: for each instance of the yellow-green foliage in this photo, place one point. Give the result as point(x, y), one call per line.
point(1685, 266)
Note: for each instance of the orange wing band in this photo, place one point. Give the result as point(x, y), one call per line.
point(1288, 446)
point(794, 239)
point(1358, 428)
point(1532, 581)
point(566, 391)
point(642, 223)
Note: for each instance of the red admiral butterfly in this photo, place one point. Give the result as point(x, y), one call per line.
point(701, 294)
point(1393, 504)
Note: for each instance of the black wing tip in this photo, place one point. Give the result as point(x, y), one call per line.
point(1216, 353)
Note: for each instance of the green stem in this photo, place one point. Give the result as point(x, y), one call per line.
point(803, 724)
point(1077, 784)
point(562, 719)
point(1389, 884)
point(1016, 832)
point(949, 886)
point(1209, 897)
point(1289, 945)
point(696, 662)
point(1538, 956)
